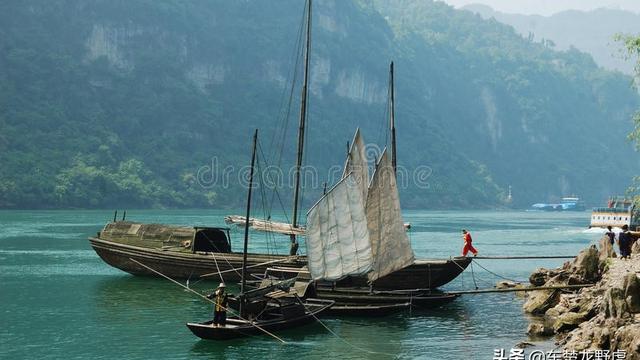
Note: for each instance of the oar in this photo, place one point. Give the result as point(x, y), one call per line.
point(207, 299)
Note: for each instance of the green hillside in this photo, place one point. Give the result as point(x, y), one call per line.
point(132, 103)
point(589, 31)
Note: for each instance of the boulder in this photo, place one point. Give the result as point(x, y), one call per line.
point(614, 304)
point(631, 287)
point(588, 306)
point(539, 277)
point(568, 321)
point(506, 285)
point(539, 329)
point(555, 312)
point(592, 334)
point(602, 337)
point(540, 301)
point(586, 264)
point(626, 338)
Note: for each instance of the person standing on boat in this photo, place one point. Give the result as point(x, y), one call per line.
point(466, 236)
point(624, 242)
point(611, 235)
point(220, 301)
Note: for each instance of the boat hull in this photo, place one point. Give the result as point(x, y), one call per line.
point(358, 303)
point(423, 274)
point(238, 328)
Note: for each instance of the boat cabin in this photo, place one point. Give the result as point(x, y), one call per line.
point(168, 238)
point(211, 240)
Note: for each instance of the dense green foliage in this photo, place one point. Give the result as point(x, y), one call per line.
point(631, 44)
point(132, 103)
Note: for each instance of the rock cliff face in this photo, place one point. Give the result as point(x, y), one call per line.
point(603, 317)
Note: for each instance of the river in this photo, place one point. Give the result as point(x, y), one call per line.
point(59, 300)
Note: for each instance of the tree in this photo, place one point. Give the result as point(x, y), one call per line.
point(631, 45)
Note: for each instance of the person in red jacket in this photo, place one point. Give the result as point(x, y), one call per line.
point(466, 236)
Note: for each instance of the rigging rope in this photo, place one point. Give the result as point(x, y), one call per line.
point(275, 192)
point(287, 113)
point(473, 276)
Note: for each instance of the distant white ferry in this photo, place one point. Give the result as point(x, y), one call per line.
point(618, 212)
point(570, 203)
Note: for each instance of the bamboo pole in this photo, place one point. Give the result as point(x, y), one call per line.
point(523, 257)
point(207, 299)
point(555, 287)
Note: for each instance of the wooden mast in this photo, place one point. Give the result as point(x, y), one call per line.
point(392, 119)
point(246, 226)
point(303, 115)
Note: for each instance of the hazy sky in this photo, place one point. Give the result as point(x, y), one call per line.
point(548, 7)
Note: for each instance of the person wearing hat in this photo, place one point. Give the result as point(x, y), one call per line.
point(220, 301)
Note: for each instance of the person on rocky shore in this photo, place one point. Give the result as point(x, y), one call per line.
point(611, 235)
point(466, 236)
point(624, 242)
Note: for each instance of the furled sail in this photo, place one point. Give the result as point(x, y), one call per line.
point(390, 245)
point(357, 164)
point(265, 225)
point(337, 238)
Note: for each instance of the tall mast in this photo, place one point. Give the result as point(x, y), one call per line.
point(246, 226)
point(392, 110)
point(303, 116)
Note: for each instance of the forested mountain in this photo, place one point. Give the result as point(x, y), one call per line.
point(114, 103)
point(589, 31)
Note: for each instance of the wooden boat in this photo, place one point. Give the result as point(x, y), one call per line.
point(174, 256)
point(274, 318)
point(179, 252)
point(358, 301)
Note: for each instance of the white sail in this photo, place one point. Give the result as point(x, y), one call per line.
point(390, 245)
point(357, 164)
point(337, 238)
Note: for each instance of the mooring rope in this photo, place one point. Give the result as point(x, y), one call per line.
point(473, 276)
point(495, 274)
point(338, 336)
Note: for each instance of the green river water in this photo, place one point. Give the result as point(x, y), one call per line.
point(58, 300)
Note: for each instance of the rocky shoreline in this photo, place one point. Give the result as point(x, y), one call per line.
point(605, 316)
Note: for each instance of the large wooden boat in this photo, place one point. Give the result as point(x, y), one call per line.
point(350, 300)
point(191, 252)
